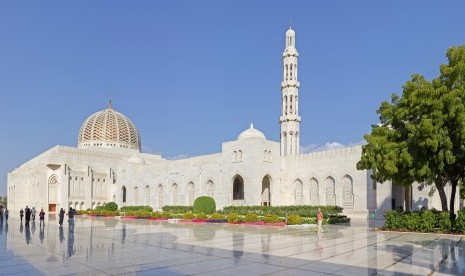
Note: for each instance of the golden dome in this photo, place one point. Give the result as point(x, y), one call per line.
point(109, 129)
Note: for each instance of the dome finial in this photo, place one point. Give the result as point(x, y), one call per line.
point(290, 23)
point(110, 105)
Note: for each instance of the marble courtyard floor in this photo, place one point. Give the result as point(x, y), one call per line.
point(107, 246)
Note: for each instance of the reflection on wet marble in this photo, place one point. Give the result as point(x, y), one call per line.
point(108, 246)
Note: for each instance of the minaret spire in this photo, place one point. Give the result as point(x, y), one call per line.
point(290, 119)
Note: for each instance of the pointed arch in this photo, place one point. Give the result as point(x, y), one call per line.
point(314, 192)
point(266, 191)
point(136, 196)
point(210, 188)
point(123, 194)
point(174, 192)
point(147, 195)
point(330, 184)
point(160, 196)
point(191, 193)
point(347, 191)
point(298, 192)
point(238, 188)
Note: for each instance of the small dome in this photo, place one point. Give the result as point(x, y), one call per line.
point(290, 32)
point(109, 129)
point(251, 133)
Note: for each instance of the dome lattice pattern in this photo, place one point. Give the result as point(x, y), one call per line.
point(108, 128)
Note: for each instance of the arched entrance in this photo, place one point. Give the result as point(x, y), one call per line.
point(266, 194)
point(238, 188)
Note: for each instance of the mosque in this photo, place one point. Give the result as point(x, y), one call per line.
point(108, 165)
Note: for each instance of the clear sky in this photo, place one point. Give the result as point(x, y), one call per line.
point(193, 74)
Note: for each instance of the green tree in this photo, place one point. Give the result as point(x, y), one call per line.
point(421, 135)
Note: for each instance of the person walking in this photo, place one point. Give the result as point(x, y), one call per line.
point(21, 214)
point(1, 212)
point(61, 215)
point(319, 219)
point(28, 215)
point(33, 213)
point(42, 216)
point(6, 212)
point(71, 219)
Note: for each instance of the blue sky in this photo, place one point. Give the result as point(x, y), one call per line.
point(193, 74)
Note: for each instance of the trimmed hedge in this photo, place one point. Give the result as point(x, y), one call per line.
point(251, 217)
point(293, 219)
point(281, 211)
point(204, 204)
point(232, 217)
point(111, 206)
point(136, 208)
point(424, 221)
point(176, 209)
point(271, 218)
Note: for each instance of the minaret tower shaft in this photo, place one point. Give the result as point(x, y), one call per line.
point(290, 119)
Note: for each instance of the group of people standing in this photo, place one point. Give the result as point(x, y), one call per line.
point(28, 212)
point(4, 212)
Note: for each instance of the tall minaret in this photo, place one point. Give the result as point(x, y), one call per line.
point(290, 119)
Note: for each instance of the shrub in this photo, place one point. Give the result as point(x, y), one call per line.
point(460, 222)
point(166, 215)
point(293, 219)
point(201, 216)
point(311, 220)
point(177, 209)
point(111, 206)
point(156, 215)
point(188, 216)
point(282, 211)
point(204, 204)
point(337, 219)
point(217, 216)
point(251, 217)
point(271, 218)
point(136, 208)
point(232, 217)
point(443, 221)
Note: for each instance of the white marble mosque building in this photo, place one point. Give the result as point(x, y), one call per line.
point(108, 165)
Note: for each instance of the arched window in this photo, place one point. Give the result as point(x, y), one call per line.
point(136, 196)
point(160, 196)
point(298, 192)
point(210, 188)
point(147, 195)
point(347, 191)
point(123, 193)
point(191, 197)
point(330, 191)
point(238, 188)
point(175, 194)
point(314, 193)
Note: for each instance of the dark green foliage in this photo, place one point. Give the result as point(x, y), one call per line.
point(421, 221)
point(136, 208)
point(334, 219)
point(204, 204)
point(156, 215)
point(111, 206)
point(281, 211)
point(293, 219)
point(271, 218)
point(460, 222)
point(251, 217)
point(177, 209)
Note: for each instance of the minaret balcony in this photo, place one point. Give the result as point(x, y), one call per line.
point(290, 83)
point(290, 118)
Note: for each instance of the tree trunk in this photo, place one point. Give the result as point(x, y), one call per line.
point(452, 199)
point(442, 194)
point(443, 197)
